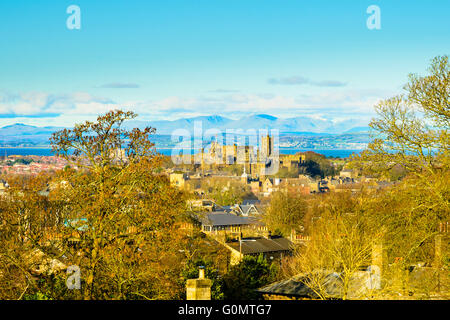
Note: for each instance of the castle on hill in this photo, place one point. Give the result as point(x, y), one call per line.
point(256, 162)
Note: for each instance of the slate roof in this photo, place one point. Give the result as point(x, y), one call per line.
point(261, 245)
point(226, 208)
point(296, 287)
point(359, 284)
point(250, 201)
point(222, 218)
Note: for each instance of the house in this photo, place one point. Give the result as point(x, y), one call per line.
point(314, 187)
point(329, 284)
point(222, 224)
point(178, 179)
point(3, 186)
point(227, 209)
point(251, 201)
point(201, 205)
point(296, 185)
point(249, 207)
point(349, 173)
point(246, 210)
point(255, 186)
point(362, 283)
point(292, 160)
point(272, 248)
point(270, 185)
point(267, 185)
point(221, 221)
point(323, 186)
point(367, 281)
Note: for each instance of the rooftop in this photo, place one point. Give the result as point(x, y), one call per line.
point(261, 245)
point(296, 287)
point(222, 218)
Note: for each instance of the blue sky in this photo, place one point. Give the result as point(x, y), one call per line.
point(171, 59)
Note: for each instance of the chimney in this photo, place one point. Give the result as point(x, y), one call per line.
point(438, 251)
point(199, 289)
point(201, 272)
point(377, 254)
point(376, 269)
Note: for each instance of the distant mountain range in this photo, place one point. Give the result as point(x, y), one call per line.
point(303, 125)
point(25, 135)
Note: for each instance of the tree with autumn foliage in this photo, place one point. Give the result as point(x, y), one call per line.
point(340, 245)
point(286, 212)
point(110, 213)
point(121, 211)
point(27, 217)
point(411, 132)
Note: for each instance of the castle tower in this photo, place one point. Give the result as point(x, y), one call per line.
point(266, 146)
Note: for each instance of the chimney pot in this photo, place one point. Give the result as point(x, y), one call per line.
point(201, 272)
point(199, 289)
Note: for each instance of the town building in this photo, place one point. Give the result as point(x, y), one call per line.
point(271, 248)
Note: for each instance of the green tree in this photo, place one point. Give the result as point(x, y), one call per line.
point(250, 274)
point(191, 271)
point(229, 194)
point(317, 165)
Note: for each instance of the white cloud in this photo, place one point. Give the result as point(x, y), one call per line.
point(39, 103)
point(299, 80)
point(65, 109)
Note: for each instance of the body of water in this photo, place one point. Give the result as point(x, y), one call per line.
point(26, 151)
point(336, 153)
point(168, 152)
